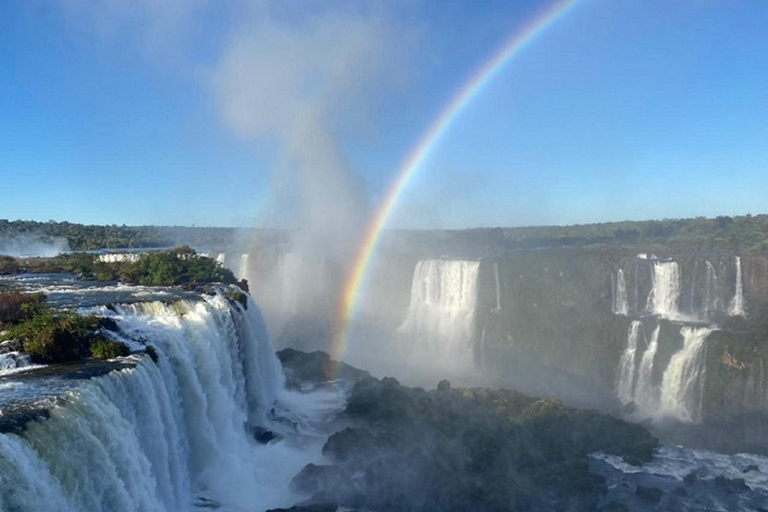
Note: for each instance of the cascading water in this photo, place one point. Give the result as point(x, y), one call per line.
point(221, 258)
point(683, 382)
point(646, 393)
point(663, 299)
point(620, 303)
point(712, 291)
point(438, 330)
point(736, 308)
point(625, 377)
point(158, 436)
point(244, 272)
point(498, 286)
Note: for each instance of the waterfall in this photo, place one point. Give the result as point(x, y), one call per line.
point(221, 258)
point(157, 436)
point(736, 307)
point(645, 390)
point(498, 287)
point(683, 382)
point(439, 326)
point(620, 303)
point(712, 291)
point(244, 270)
point(625, 377)
point(663, 299)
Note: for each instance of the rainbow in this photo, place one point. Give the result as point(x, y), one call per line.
point(519, 40)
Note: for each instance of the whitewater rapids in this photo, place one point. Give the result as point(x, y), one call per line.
point(171, 436)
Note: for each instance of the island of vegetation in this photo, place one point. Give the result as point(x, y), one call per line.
point(29, 326)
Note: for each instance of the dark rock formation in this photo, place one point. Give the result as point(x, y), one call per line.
point(303, 368)
point(466, 449)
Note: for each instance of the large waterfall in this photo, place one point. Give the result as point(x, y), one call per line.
point(683, 381)
point(620, 302)
point(158, 437)
point(625, 378)
point(664, 296)
point(646, 392)
point(438, 330)
point(736, 307)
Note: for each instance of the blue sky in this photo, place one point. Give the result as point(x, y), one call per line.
point(636, 109)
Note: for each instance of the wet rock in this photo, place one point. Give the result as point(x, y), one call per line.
point(321, 507)
point(316, 478)
point(731, 484)
point(613, 506)
point(651, 494)
point(262, 435)
point(303, 368)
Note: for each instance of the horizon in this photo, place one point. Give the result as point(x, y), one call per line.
point(268, 228)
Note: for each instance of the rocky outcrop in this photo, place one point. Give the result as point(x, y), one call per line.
point(465, 449)
point(310, 368)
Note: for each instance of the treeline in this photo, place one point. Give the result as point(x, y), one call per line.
point(723, 233)
point(82, 237)
point(180, 266)
point(748, 232)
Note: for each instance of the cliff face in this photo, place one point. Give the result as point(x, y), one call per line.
point(674, 334)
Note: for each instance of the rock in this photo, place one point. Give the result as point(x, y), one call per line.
point(752, 467)
point(349, 444)
point(629, 408)
point(152, 353)
point(731, 484)
point(690, 478)
point(324, 507)
point(316, 478)
point(613, 506)
point(303, 368)
point(651, 494)
point(262, 435)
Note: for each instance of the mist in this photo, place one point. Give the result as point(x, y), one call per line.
point(33, 246)
point(291, 83)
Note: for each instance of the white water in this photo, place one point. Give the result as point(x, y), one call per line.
point(244, 272)
point(683, 382)
point(620, 303)
point(498, 286)
point(438, 330)
point(159, 437)
point(712, 300)
point(736, 307)
point(119, 257)
point(663, 299)
point(221, 258)
point(646, 393)
point(625, 377)
point(678, 462)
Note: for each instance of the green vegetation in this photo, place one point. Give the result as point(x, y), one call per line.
point(743, 233)
point(748, 232)
point(105, 349)
point(53, 337)
point(180, 266)
point(90, 237)
point(62, 337)
point(17, 307)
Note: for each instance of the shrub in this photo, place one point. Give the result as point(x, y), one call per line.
point(17, 307)
point(56, 338)
point(8, 265)
point(105, 349)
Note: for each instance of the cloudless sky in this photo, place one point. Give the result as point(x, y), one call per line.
point(635, 109)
